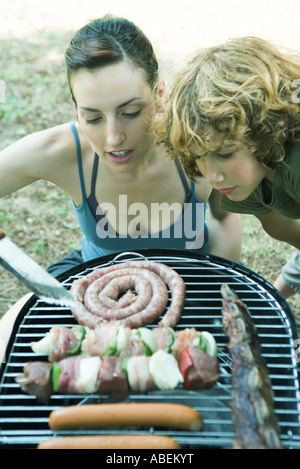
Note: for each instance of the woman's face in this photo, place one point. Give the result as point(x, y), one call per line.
point(233, 170)
point(114, 105)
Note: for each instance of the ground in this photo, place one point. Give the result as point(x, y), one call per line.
point(34, 95)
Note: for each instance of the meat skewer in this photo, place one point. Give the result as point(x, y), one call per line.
point(116, 376)
point(98, 299)
point(112, 339)
point(252, 398)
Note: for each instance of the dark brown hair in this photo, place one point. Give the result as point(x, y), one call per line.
point(109, 40)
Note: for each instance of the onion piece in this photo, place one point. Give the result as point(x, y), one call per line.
point(165, 370)
point(88, 375)
point(211, 345)
point(43, 346)
point(148, 337)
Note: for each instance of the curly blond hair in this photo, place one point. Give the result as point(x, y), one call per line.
point(243, 90)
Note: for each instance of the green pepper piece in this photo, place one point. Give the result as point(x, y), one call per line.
point(124, 365)
point(56, 370)
point(172, 340)
point(111, 350)
point(147, 350)
point(77, 349)
point(202, 343)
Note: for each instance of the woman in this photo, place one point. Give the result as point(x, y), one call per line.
point(234, 118)
point(108, 163)
point(125, 192)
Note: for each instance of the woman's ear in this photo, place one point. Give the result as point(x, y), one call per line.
point(160, 95)
point(74, 105)
point(161, 88)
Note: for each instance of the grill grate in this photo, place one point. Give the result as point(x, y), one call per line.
point(24, 419)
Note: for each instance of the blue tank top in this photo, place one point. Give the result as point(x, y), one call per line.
point(189, 231)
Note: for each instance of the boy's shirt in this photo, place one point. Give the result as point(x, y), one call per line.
point(285, 195)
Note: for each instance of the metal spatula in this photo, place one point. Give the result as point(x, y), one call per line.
point(28, 272)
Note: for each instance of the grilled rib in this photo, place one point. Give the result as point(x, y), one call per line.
point(253, 412)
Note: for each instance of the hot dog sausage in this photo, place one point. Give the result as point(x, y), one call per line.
point(126, 414)
point(111, 442)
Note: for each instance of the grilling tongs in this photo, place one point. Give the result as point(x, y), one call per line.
point(28, 272)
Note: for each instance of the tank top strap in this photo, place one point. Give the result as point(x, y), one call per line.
point(79, 159)
point(94, 174)
point(188, 191)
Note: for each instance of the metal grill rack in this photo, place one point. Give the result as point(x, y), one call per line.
point(24, 418)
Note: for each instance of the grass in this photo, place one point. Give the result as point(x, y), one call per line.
point(266, 256)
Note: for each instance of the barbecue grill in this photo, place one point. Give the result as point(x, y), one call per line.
point(24, 418)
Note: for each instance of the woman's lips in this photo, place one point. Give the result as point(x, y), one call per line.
point(228, 190)
point(120, 156)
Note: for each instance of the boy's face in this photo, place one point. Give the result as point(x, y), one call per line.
point(233, 170)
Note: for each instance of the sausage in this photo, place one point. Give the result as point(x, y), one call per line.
point(97, 299)
point(111, 285)
point(111, 442)
point(126, 414)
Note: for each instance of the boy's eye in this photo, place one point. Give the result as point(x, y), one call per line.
point(225, 155)
point(195, 156)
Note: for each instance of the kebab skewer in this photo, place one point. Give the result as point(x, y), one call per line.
point(118, 376)
point(112, 339)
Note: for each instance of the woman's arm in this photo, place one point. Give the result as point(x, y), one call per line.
point(41, 155)
point(225, 230)
point(7, 323)
point(15, 164)
point(281, 228)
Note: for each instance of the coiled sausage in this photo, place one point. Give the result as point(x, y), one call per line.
point(97, 295)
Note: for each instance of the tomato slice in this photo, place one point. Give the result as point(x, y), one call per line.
point(185, 362)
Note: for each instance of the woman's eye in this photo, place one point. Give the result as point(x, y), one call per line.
point(131, 115)
point(93, 120)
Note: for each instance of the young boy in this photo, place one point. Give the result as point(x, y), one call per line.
point(233, 116)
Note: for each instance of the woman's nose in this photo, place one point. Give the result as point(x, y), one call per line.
point(115, 134)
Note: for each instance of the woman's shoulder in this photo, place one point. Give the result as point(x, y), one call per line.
point(202, 189)
point(53, 141)
point(45, 154)
point(40, 145)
